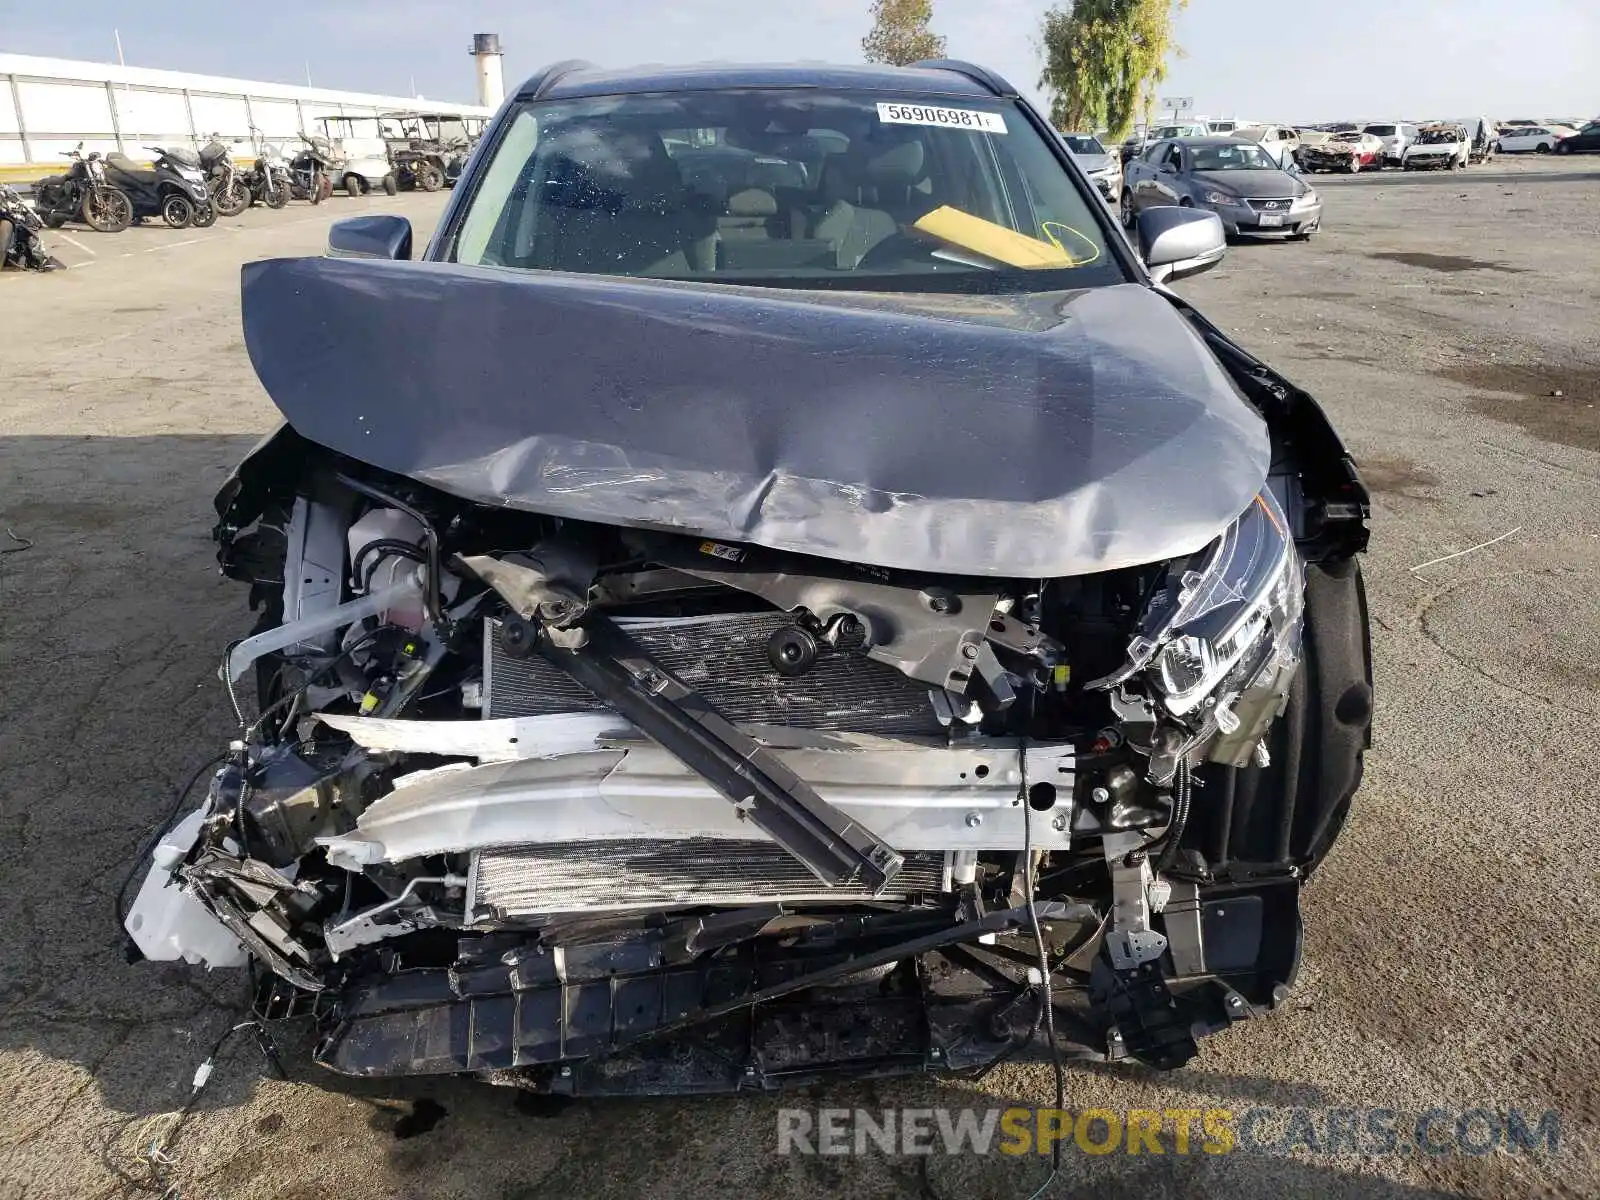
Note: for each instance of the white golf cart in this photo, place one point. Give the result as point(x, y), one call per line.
point(360, 155)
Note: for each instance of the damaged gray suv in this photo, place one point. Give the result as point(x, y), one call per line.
point(779, 592)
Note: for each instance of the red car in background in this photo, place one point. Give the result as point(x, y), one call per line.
point(1349, 151)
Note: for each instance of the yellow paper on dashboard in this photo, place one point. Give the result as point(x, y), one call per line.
point(1004, 245)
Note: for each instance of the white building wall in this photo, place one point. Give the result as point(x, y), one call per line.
point(49, 105)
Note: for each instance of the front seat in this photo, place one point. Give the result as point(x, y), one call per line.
point(867, 196)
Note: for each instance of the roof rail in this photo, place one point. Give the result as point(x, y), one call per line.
point(981, 75)
point(539, 85)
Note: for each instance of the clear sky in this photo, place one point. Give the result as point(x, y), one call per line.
point(1418, 58)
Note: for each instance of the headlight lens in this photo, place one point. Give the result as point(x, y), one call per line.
point(1221, 198)
point(1225, 618)
point(1310, 197)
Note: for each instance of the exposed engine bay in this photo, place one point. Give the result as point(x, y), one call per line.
point(529, 797)
point(596, 802)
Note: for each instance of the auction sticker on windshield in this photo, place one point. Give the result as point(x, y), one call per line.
point(945, 118)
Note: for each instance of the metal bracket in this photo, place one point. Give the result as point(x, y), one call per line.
point(933, 635)
point(1130, 941)
point(364, 928)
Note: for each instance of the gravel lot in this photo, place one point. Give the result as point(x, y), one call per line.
point(1448, 322)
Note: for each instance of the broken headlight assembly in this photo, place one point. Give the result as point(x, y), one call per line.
point(1219, 638)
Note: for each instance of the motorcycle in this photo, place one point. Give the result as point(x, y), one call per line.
point(19, 234)
point(310, 176)
point(83, 193)
point(230, 194)
point(269, 180)
point(175, 190)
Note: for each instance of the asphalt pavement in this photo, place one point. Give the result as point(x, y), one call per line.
point(1447, 322)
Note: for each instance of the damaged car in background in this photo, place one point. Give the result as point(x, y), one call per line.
point(826, 612)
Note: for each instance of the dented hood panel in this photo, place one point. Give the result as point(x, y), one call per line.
point(1036, 435)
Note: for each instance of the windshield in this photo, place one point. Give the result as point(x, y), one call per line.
point(1083, 144)
point(1232, 158)
point(1381, 130)
point(784, 187)
point(352, 127)
point(1434, 137)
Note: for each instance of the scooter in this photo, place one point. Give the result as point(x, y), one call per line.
point(175, 190)
point(83, 193)
point(19, 234)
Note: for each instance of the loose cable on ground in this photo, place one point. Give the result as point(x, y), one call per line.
point(1046, 992)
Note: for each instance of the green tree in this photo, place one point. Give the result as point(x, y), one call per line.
point(1103, 60)
point(900, 34)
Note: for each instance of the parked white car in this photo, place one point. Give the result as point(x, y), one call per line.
point(1537, 139)
point(1395, 136)
point(1280, 141)
point(1183, 129)
point(1446, 146)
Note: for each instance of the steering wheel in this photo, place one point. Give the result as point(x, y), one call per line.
point(899, 248)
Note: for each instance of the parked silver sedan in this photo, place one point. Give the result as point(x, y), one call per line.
point(1232, 177)
point(1103, 168)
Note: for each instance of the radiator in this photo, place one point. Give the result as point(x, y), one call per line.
point(611, 876)
point(724, 658)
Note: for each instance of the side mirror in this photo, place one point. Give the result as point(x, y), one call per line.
point(1179, 242)
point(1168, 168)
point(380, 235)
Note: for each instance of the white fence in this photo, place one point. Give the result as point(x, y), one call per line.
point(49, 105)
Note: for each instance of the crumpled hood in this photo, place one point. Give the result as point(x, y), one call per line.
point(1034, 436)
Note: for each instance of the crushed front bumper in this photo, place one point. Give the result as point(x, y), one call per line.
point(651, 1013)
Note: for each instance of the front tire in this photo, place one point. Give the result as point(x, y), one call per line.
point(1126, 208)
point(205, 216)
point(391, 186)
point(177, 212)
point(428, 176)
point(233, 199)
point(1355, 164)
point(108, 211)
point(1563, 148)
point(355, 186)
